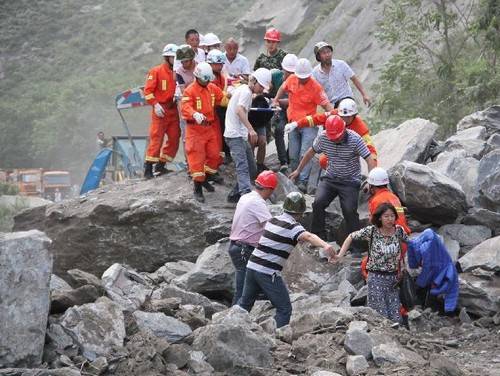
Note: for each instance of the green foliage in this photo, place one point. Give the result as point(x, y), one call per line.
point(8, 189)
point(445, 66)
point(8, 212)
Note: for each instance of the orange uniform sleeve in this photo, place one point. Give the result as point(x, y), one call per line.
point(360, 127)
point(320, 97)
point(188, 104)
point(150, 87)
point(311, 121)
point(219, 94)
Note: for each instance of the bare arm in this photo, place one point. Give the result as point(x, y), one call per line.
point(243, 116)
point(366, 99)
point(279, 94)
point(345, 246)
point(305, 159)
point(316, 241)
point(371, 162)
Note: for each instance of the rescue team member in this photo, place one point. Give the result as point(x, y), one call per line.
point(185, 56)
point(216, 59)
point(239, 133)
point(249, 219)
point(281, 235)
point(211, 42)
point(304, 96)
point(274, 55)
point(198, 110)
point(236, 65)
point(343, 175)
point(159, 92)
point(348, 111)
point(334, 75)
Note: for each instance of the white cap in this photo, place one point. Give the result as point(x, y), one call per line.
point(263, 77)
point(170, 49)
point(204, 72)
point(303, 69)
point(378, 177)
point(347, 107)
point(211, 39)
point(289, 62)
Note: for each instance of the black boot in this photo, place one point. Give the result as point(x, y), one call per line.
point(216, 178)
point(209, 187)
point(160, 169)
point(198, 192)
point(148, 170)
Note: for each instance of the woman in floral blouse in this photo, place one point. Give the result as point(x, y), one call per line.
point(384, 256)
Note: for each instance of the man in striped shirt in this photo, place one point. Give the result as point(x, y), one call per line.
point(343, 148)
point(281, 235)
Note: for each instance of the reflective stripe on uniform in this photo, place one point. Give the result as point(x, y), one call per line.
point(198, 103)
point(185, 99)
point(164, 84)
point(399, 209)
point(208, 169)
point(152, 159)
point(213, 99)
point(196, 174)
point(310, 120)
point(149, 96)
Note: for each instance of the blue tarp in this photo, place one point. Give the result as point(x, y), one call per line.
point(96, 171)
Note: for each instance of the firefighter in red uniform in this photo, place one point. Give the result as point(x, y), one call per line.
point(348, 111)
point(159, 92)
point(202, 149)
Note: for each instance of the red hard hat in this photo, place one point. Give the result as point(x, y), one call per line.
point(267, 179)
point(335, 127)
point(273, 34)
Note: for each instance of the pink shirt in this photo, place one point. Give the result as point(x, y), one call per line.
point(249, 219)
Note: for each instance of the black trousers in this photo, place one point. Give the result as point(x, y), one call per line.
point(326, 192)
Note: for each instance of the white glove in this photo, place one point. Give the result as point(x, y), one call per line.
point(290, 127)
point(159, 111)
point(199, 118)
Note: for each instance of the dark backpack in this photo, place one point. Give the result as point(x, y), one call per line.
point(259, 119)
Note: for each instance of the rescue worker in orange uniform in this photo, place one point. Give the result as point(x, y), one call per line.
point(202, 149)
point(159, 92)
point(348, 111)
point(216, 59)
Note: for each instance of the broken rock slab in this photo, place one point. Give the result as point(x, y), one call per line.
point(356, 365)
point(488, 181)
point(489, 118)
point(25, 274)
point(468, 236)
point(488, 218)
point(61, 300)
point(162, 326)
point(485, 256)
point(479, 296)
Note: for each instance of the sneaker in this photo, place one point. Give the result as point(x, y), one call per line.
point(283, 169)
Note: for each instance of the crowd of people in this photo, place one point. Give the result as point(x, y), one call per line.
point(206, 96)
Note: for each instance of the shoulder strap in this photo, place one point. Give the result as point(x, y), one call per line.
point(370, 243)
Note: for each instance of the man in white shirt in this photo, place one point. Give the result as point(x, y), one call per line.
point(236, 65)
point(334, 75)
point(193, 39)
point(239, 131)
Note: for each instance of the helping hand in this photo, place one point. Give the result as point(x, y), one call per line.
point(159, 111)
point(199, 118)
point(290, 127)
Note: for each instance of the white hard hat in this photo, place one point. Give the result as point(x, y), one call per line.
point(202, 40)
point(263, 77)
point(170, 49)
point(204, 72)
point(303, 69)
point(378, 177)
point(347, 107)
point(211, 39)
point(289, 62)
point(216, 57)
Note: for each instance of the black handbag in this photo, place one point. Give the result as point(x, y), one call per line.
point(407, 291)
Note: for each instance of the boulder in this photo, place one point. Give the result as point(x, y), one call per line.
point(177, 354)
point(58, 337)
point(471, 140)
point(488, 181)
point(485, 256)
point(489, 119)
point(358, 342)
point(453, 248)
point(61, 300)
point(170, 271)
point(485, 217)
point(407, 142)
point(146, 223)
point(481, 297)
point(126, 287)
point(468, 236)
point(493, 143)
point(162, 326)
point(95, 327)
point(25, 274)
point(64, 371)
point(197, 363)
point(395, 354)
point(212, 274)
point(193, 315)
point(325, 373)
point(356, 365)
point(459, 167)
point(428, 195)
point(80, 278)
point(285, 186)
point(57, 283)
point(232, 348)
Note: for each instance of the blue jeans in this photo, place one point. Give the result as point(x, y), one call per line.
point(246, 169)
point(239, 253)
point(275, 289)
point(299, 141)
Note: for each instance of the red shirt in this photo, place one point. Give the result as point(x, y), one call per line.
point(303, 99)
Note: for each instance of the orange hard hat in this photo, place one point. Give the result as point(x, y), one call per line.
point(267, 179)
point(335, 128)
point(273, 34)
point(323, 161)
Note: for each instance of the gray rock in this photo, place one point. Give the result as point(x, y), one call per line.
point(167, 306)
point(97, 367)
point(212, 274)
point(314, 176)
point(80, 278)
point(126, 287)
point(231, 348)
point(285, 186)
point(464, 316)
point(394, 354)
point(453, 248)
point(471, 140)
point(171, 270)
point(488, 181)
point(459, 167)
point(177, 354)
point(360, 298)
point(57, 283)
point(444, 366)
point(198, 365)
point(25, 273)
point(325, 373)
point(468, 236)
point(479, 296)
point(408, 142)
point(485, 256)
point(356, 365)
point(65, 371)
point(489, 118)
point(193, 315)
point(58, 337)
point(493, 143)
point(95, 327)
point(358, 325)
point(307, 319)
point(269, 325)
point(347, 288)
point(488, 218)
point(358, 342)
point(428, 195)
point(138, 221)
point(162, 326)
point(61, 300)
